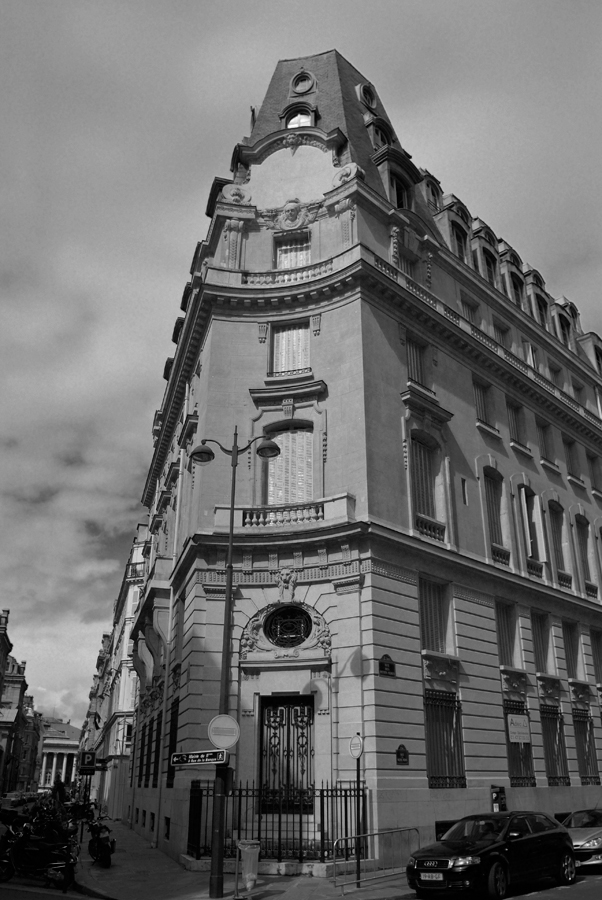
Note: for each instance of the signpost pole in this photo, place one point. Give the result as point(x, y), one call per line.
point(358, 823)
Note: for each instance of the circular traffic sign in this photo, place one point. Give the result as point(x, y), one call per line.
point(224, 732)
point(356, 746)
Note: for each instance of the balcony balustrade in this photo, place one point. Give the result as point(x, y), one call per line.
point(315, 513)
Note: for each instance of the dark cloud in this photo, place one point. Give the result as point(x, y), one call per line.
point(116, 118)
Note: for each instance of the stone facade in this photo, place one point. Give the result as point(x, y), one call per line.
point(422, 565)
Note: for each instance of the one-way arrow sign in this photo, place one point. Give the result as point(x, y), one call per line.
point(199, 758)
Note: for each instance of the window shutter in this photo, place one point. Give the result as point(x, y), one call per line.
point(493, 497)
point(290, 475)
point(290, 348)
point(423, 480)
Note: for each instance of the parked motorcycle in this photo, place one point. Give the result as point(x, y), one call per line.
point(101, 845)
point(26, 854)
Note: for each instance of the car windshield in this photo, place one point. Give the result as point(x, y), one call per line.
point(585, 818)
point(475, 829)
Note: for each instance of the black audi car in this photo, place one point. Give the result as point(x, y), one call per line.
point(485, 854)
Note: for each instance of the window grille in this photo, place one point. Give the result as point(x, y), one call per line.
point(556, 527)
point(173, 741)
point(515, 422)
point(493, 500)
point(415, 361)
point(520, 756)
point(158, 742)
point(570, 637)
point(288, 626)
point(141, 747)
point(481, 402)
point(293, 252)
point(541, 641)
point(443, 736)
point(290, 349)
point(149, 753)
point(587, 760)
point(506, 629)
point(433, 616)
point(423, 478)
point(582, 527)
point(554, 747)
point(543, 437)
point(290, 475)
point(570, 456)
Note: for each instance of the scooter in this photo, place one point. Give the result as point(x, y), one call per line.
point(101, 845)
point(23, 853)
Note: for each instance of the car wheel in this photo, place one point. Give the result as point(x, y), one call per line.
point(566, 871)
point(497, 882)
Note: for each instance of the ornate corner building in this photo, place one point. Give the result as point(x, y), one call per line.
point(421, 563)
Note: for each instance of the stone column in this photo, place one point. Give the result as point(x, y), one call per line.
point(55, 759)
point(44, 762)
point(64, 768)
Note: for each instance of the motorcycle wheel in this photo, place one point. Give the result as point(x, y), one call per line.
point(93, 848)
point(7, 870)
point(104, 857)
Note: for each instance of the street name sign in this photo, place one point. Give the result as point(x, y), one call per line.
point(199, 758)
point(87, 762)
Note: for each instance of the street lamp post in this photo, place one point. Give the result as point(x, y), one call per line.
point(203, 455)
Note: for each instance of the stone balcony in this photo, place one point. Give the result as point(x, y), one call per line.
point(336, 510)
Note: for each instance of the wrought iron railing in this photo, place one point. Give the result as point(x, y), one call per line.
point(290, 823)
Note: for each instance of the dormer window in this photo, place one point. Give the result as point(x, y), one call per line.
point(380, 137)
point(490, 267)
point(517, 290)
point(459, 242)
point(460, 211)
point(433, 197)
point(299, 119)
point(565, 331)
point(542, 310)
point(399, 193)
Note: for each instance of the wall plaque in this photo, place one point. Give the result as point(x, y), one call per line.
point(386, 666)
point(402, 757)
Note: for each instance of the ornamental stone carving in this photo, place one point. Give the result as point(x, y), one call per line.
point(235, 193)
point(287, 580)
point(549, 687)
point(352, 170)
point(293, 215)
point(312, 647)
point(439, 667)
point(514, 681)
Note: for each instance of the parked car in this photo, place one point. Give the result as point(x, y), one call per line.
point(585, 829)
point(487, 853)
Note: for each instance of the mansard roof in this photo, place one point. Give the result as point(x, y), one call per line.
point(335, 96)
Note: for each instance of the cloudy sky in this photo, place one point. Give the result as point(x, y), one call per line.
point(116, 116)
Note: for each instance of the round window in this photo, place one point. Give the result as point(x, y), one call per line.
point(302, 83)
point(288, 626)
point(368, 96)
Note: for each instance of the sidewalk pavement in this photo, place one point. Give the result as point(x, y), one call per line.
point(139, 872)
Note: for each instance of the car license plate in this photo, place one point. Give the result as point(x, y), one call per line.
point(431, 876)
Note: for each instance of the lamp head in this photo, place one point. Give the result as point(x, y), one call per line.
point(202, 455)
point(268, 449)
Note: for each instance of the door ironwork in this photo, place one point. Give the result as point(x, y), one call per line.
point(287, 753)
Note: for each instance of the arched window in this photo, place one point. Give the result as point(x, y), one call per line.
point(459, 241)
point(300, 118)
point(433, 197)
point(565, 330)
point(557, 536)
point(380, 137)
point(399, 193)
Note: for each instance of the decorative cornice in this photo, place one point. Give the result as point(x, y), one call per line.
point(301, 391)
point(462, 593)
point(581, 692)
point(388, 570)
point(348, 585)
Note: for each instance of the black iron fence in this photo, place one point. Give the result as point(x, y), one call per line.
point(290, 823)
